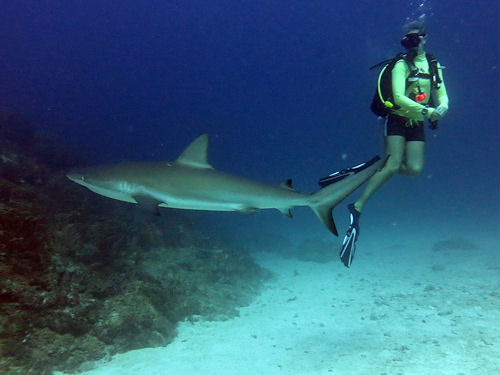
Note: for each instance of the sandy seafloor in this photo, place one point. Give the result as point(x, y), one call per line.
point(401, 309)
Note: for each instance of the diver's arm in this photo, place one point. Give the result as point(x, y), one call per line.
point(409, 108)
point(442, 99)
point(441, 95)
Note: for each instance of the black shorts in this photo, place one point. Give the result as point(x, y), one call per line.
point(396, 125)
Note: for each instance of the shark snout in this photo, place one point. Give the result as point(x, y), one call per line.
point(76, 176)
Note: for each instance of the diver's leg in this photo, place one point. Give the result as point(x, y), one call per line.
point(395, 147)
point(414, 159)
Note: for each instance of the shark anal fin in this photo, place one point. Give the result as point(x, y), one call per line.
point(148, 203)
point(287, 212)
point(249, 210)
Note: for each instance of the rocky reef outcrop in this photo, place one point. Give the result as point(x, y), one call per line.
point(83, 277)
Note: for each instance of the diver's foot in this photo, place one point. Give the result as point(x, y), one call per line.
point(349, 243)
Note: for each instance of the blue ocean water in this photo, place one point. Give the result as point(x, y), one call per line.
point(282, 87)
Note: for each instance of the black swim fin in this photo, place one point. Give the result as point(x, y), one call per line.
point(340, 175)
point(349, 243)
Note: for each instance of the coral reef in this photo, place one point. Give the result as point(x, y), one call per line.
point(83, 277)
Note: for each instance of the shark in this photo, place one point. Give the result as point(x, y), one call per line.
point(191, 183)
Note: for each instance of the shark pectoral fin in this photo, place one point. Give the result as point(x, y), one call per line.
point(287, 212)
point(249, 210)
point(148, 203)
point(325, 214)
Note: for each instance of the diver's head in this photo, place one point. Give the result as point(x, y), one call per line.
point(415, 35)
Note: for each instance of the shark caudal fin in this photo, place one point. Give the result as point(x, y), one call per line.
point(337, 186)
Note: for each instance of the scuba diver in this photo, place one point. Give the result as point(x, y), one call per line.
point(411, 91)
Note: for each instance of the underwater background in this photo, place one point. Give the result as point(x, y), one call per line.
point(283, 89)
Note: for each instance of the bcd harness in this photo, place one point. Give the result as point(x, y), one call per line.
point(383, 99)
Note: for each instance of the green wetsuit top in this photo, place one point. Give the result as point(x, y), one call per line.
point(409, 107)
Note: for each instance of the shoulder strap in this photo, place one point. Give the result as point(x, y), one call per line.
point(434, 70)
point(411, 66)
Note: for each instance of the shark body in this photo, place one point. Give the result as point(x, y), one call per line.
point(190, 182)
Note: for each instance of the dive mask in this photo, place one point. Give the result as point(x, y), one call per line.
point(412, 40)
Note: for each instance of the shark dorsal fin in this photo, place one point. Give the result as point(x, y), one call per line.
point(195, 155)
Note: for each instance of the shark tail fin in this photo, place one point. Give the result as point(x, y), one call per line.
point(338, 186)
point(325, 213)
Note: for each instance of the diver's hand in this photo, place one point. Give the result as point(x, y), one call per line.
point(438, 113)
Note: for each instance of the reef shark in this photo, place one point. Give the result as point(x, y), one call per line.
point(191, 183)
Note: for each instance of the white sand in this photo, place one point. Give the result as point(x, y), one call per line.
point(389, 314)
